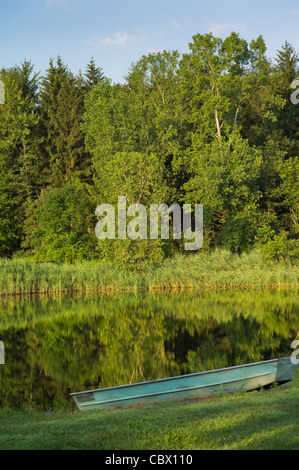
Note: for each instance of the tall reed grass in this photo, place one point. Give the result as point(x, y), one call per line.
point(220, 269)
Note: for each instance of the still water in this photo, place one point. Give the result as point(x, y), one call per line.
point(58, 345)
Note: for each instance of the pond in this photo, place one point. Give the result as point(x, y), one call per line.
point(58, 345)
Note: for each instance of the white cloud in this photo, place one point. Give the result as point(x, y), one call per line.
point(64, 4)
point(120, 39)
point(154, 50)
point(176, 25)
point(220, 28)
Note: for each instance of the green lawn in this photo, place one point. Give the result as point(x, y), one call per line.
point(258, 420)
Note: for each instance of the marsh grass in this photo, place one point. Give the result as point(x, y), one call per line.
point(220, 269)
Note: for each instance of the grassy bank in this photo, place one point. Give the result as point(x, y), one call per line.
point(266, 420)
point(219, 269)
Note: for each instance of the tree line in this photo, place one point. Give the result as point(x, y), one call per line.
point(214, 126)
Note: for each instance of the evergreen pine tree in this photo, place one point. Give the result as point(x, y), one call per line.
point(287, 62)
point(18, 167)
point(93, 75)
point(61, 110)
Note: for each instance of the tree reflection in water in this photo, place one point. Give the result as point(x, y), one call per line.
point(55, 346)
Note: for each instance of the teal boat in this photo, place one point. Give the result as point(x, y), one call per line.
point(199, 385)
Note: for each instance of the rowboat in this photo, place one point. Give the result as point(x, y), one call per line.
point(199, 385)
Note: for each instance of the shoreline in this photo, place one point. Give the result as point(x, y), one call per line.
point(258, 420)
point(160, 289)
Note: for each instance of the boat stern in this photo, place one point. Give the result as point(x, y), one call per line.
point(286, 370)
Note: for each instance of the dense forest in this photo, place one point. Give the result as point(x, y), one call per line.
point(215, 126)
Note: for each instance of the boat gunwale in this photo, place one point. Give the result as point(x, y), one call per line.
point(197, 387)
point(180, 376)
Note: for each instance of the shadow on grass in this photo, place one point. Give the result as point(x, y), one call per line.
point(259, 420)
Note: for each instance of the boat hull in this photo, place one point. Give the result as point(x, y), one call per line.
point(200, 385)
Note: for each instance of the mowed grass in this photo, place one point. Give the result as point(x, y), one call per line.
point(220, 269)
point(264, 420)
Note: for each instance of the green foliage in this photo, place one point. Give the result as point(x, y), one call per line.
point(289, 173)
point(18, 165)
point(61, 229)
point(133, 255)
point(227, 187)
point(282, 248)
point(61, 110)
point(93, 75)
point(214, 126)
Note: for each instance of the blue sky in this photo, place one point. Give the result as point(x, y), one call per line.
point(118, 32)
